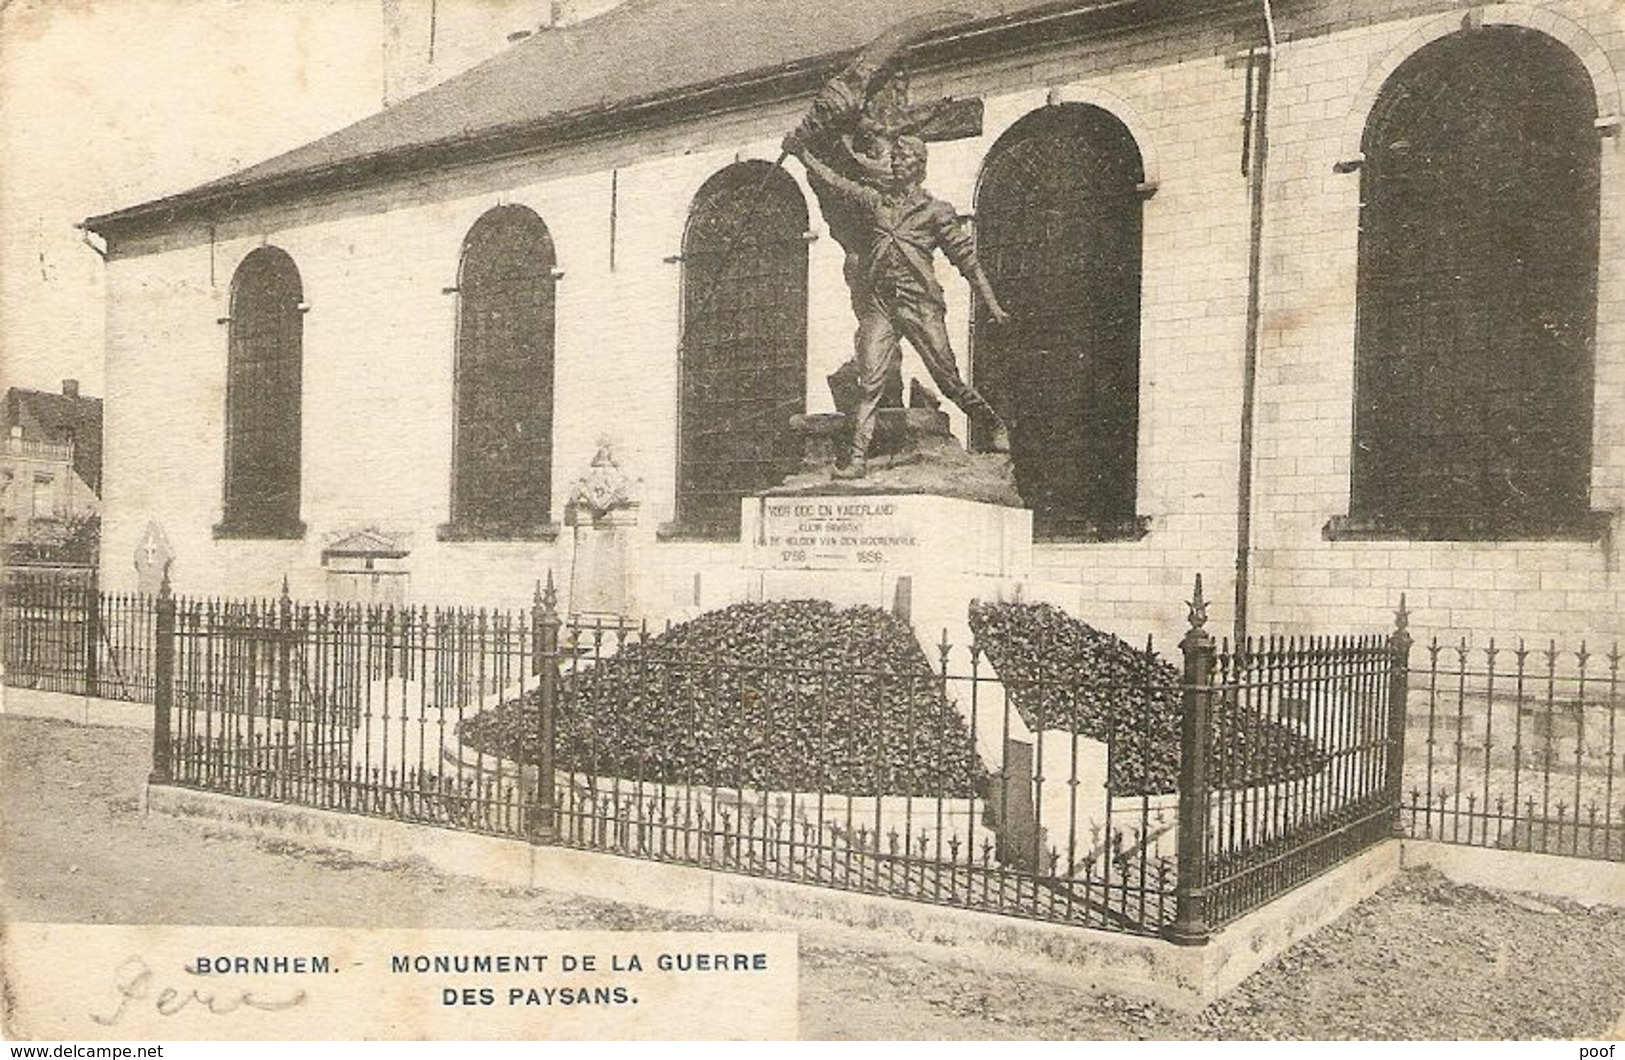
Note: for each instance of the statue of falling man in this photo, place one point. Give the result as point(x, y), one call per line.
point(866, 163)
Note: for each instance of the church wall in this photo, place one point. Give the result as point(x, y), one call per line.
point(1326, 82)
point(379, 345)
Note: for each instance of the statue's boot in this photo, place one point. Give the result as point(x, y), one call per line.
point(998, 434)
point(857, 467)
point(980, 413)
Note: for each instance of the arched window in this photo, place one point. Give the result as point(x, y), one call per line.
point(264, 366)
point(1477, 292)
point(502, 471)
point(1059, 232)
point(743, 354)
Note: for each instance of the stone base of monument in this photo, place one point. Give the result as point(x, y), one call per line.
point(925, 557)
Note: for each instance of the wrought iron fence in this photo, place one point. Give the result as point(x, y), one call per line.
point(1142, 798)
point(937, 781)
point(1137, 796)
point(47, 620)
point(344, 707)
point(1011, 785)
point(1518, 747)
point(1271, 826)
point(58, 633)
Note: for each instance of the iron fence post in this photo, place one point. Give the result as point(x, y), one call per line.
point(93, 636)
point(284, 650)
point(538, 608)
point(1399, 672)
point(163, 698)
point(545, 659)
point(1190, 926)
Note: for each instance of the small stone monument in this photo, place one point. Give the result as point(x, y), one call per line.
point(152, 557)
point(367, 566)
point(602, 514)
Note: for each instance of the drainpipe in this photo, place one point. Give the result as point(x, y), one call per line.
point(1258, 157)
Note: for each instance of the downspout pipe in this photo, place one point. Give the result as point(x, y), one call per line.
point(1259, 158)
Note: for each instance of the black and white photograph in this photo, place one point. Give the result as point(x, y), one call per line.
point(876, 520)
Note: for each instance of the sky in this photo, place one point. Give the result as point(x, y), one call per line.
point(107, 103)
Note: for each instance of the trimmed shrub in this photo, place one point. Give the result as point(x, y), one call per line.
point(1061, 673)
point(780, 696)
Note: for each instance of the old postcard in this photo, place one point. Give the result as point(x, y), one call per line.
point(752, 519)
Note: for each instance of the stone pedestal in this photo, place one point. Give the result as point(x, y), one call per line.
point(884, 533)
point(925, 557)
point(602, 515)
point(602, 561)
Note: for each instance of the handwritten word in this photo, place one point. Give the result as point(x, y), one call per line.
point(136, 982)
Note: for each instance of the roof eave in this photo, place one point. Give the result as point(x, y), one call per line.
point(1004, 35)
point(497, 142)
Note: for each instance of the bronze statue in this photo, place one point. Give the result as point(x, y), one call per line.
point(851, 125)
point(867, 169)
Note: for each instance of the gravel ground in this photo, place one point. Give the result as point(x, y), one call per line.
point(1425, 958)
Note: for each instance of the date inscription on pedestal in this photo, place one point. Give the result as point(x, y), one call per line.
point(829, 533)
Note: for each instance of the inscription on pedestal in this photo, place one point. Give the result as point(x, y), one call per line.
point(835, 533)
point(884, 533)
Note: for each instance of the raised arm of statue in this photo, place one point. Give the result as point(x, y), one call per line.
point(844, 186)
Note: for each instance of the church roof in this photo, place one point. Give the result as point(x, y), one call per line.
point(644, 63)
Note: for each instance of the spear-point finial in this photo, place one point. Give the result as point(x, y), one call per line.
point(550, 595)
point(1399, 641)
point(285, 593)
point(536, 597)
point(1197, 606)
point(164, 586)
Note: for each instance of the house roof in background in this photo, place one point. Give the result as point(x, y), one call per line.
point(648, 60)
point(49, 417)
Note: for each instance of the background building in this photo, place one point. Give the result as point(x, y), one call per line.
point(50, 475)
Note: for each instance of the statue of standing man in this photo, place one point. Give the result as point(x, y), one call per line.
point(867, 172)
